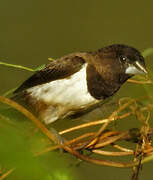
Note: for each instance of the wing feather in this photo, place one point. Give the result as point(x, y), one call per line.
point(57, 69)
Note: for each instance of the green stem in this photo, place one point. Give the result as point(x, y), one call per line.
point(147, 159)
point(16, 66)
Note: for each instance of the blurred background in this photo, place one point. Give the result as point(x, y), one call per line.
point(31, 31)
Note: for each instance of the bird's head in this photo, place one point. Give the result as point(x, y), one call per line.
point(131, 60)
point(121, 61)
point(117, 63)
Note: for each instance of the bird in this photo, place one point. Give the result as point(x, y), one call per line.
point(79, 81)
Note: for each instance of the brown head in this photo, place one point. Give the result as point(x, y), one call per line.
point(110, 67)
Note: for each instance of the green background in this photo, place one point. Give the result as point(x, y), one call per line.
point(31, 31)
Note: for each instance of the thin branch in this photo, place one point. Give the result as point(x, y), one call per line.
point(6, 174)
point(140, 82)
point(108, 153)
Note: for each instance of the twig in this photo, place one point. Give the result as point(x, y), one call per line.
point(121, 148)
point(108, 153)
point(6, 174)
point(140, 82)
point(85, 125)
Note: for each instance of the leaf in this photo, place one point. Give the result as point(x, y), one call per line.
point(147, 52)
point(40, 67)
point(50, 59)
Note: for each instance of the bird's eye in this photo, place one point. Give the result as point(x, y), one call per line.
point(123, 58)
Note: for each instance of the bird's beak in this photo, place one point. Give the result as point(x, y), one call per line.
point(136, 68)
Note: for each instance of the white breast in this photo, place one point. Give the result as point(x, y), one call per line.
point(68, 93)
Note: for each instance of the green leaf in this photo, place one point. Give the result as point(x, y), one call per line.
point(40, 67)
point(50, 59)
point(147, 52)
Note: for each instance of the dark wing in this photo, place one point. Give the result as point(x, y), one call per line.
point(57, 69)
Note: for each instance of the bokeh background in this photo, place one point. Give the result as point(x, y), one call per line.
point(31, 31)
